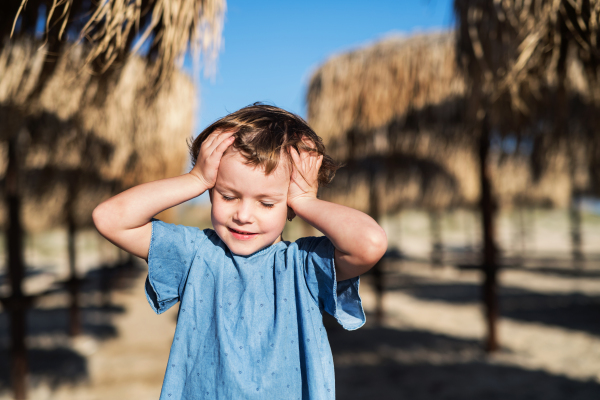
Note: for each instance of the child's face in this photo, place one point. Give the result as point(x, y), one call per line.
point(249, 208)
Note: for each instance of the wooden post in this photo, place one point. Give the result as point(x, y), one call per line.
point(17, 303)
point(575, 219)
point(377, 270)
point(488, 214)
point(435, 230)
point(73, 282)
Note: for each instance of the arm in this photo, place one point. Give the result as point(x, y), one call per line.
point(125, 218)
point(358, 240)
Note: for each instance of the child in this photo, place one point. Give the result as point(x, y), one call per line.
point(250, 320)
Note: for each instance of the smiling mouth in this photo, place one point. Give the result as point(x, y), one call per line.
point(241, 234)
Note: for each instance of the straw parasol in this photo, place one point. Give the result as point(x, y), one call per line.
point(396, 113)
point(164, 29)
point(403, 100)
point(379, 105)
point(82, 138)
point(110, 30)
point(397, 129)
point(518, 58)
point(105, 144)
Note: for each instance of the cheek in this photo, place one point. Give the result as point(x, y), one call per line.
point(275, 219)
point(218, 212)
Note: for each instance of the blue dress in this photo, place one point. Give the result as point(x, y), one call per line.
point(249, 327)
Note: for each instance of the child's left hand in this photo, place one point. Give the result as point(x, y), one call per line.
point(304, 182)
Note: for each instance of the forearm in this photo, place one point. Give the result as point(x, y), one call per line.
point(136, 206)
point(358, 237)
point(124, 219)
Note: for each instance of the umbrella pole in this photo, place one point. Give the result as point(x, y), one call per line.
point(377, 269)
point(17, 303)
point(435, 229)
point(488, 214)
point(73, 282)
point(575, 219)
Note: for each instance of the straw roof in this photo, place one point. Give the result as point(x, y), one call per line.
point(532, 67)
point(165, 28)
point(395, 113)
point(381, 106)
point(88, 136)
point(519, 49)
point(367, 88)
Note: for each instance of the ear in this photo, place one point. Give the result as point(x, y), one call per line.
point(290, 214)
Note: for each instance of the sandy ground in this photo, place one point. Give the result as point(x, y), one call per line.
point(427, 347)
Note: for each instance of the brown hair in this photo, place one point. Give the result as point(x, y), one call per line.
point(262, 131)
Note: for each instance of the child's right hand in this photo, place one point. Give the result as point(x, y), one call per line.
point(125, 219)
point(209, 157)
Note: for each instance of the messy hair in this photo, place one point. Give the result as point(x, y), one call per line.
point(262, 132)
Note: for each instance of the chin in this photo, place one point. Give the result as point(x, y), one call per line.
point(244, 249)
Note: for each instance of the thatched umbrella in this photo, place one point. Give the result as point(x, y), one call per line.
point(404, 97)
point(109, 30)
point(395, 113)
point(124, 138)
point(83, 149)
point(518, 57)
point(397, 130)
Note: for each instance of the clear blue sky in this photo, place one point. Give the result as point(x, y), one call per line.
point(271, 47)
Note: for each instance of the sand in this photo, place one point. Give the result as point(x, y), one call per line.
point(429, 345)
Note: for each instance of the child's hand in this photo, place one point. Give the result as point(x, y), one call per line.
point(304, 178)
point(209, 157)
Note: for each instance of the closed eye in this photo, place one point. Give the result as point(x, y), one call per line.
point(266, 205)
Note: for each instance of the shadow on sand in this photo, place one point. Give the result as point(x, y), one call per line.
point(55, 367)
point(55, 363)
point(385, 363)
point(570, 310)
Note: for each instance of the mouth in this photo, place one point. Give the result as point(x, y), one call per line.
point(242, 235)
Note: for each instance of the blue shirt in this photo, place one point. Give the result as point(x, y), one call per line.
point(249, 327)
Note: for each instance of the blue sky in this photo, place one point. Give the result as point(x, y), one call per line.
point(271, 47)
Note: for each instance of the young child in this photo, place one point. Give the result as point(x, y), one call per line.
point(250, 319)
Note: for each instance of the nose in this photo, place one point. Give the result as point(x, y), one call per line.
point(243, 213)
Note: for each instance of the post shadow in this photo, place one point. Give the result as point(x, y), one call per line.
point(384, 363)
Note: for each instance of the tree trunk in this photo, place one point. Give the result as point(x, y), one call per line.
point(17, 303)
point(489, 267)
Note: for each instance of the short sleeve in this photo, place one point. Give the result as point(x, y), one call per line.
point(340, 299)
point(172, 250)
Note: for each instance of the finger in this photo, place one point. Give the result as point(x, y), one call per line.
point(225, 143)
point(295, 162)
point(295, 155)
point(222, 137)
point(211, 138)
point(305, 156)
point(319, 162)
point(308, 142)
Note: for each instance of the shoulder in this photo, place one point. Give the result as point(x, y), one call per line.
point(161, 227)
point(311, 247)
point(167, 236)
point(311, 243)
